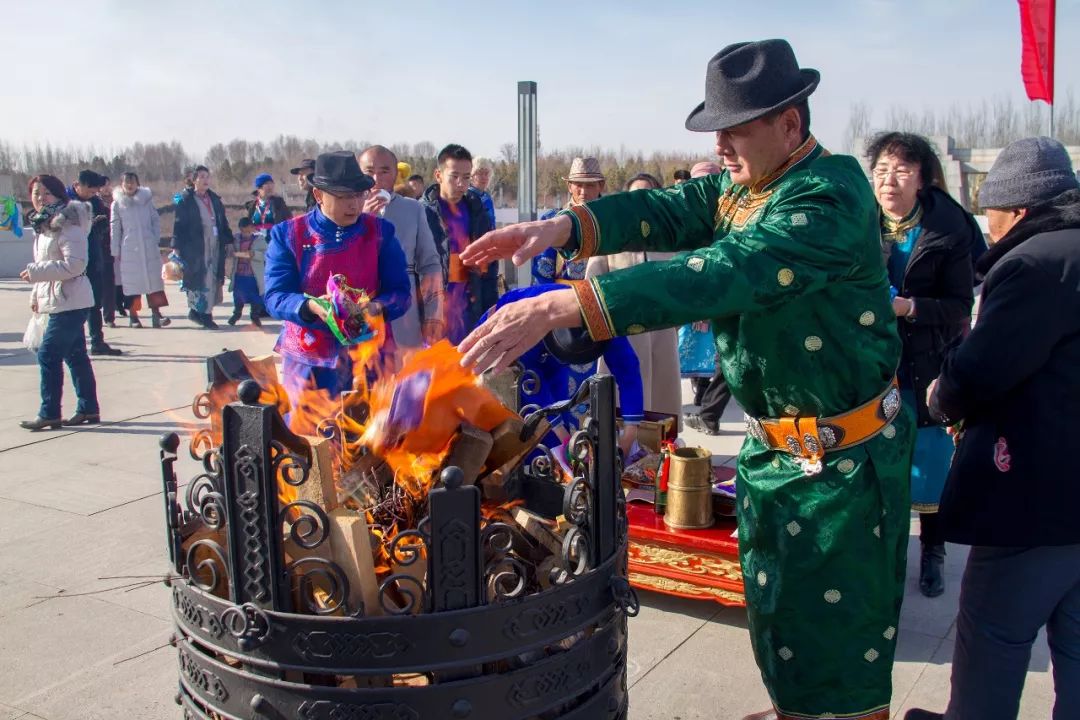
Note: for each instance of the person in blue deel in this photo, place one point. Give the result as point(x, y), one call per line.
point(555, 368)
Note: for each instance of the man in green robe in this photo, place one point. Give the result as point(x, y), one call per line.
point(781, 252)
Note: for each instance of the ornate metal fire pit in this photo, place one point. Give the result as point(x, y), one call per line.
point(266, 628)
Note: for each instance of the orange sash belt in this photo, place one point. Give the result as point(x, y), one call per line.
point(810, 438)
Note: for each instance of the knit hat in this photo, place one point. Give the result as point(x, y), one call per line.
point(261, 179)
point(1027, 173)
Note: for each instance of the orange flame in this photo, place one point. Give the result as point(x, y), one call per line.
point(454, 396)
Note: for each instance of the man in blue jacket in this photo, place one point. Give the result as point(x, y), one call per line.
point(334, 238)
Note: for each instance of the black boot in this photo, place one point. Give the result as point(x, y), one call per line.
point(207, 321)
point(235, 317)
point(931, 577)
point(256, 315)
point(918, 714)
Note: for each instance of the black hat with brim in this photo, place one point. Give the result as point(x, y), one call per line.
point(307, 166)
point(574, 346)
point(339, 172)
point(749, 80)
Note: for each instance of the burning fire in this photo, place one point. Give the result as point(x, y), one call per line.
point(408, 416)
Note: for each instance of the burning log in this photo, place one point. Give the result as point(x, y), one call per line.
point(504, 385)
point(508, 452)
point(368, 481)
point(469, 451)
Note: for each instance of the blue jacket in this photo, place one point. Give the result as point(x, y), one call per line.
point(489, 204)
point(285, 298)
point(555, 382)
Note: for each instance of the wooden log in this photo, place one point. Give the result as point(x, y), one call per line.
point(506, 442)
point(504, 385)
point(350, 547)
point(494, 483)
point(541, 530)
point(319, 488)
point(469, 450)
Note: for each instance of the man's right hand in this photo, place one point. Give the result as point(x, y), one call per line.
point(520, 242)
point(375, 203)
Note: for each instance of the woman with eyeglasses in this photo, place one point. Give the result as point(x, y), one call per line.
point(929, 243)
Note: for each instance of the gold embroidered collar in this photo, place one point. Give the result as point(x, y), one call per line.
point(893, 230)
point(801, 153)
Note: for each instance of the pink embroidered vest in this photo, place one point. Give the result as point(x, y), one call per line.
point(356, 256)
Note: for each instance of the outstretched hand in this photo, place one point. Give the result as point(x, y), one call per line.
point(520, 242)
point(513, 329)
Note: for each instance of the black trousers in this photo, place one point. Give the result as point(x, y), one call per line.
point(714, 400)
point(108, 280)
point(1006, 596)
point(94, 266)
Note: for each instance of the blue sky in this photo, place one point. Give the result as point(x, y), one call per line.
point(610, 74)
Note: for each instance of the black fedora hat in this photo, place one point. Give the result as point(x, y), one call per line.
point(339, 172)
point(307, 166)
point(748, 80)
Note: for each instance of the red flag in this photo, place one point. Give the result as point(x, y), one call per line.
point(1037, 57)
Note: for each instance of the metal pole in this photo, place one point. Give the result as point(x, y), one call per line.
point(526, 151)
point(1051, 120)
point(526, 169)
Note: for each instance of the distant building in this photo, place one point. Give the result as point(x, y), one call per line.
point(964, 168)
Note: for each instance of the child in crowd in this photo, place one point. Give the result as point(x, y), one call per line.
point(247, 259)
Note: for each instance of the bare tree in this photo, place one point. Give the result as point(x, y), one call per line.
point(858, 124)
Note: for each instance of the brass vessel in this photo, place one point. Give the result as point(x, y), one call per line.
point(689, 494)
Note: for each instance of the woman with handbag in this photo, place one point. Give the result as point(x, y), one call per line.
point(61, 291)
point(136, 235)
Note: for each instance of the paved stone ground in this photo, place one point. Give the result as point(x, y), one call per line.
point(81, 512)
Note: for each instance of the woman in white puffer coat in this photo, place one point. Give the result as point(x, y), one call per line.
point(61, 291)
point(136, 232)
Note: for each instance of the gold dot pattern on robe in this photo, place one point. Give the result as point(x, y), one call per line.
point(871, 655)
point(645, 229)
point(791, 410)
point(695, 263)
point(877, 530)
point(813, 343)
point(762, 578)
point(889, 432)
point(832, 596)
point(846, 465)
point(746, 503)
point(867, 319)
point(794, 528)
point(890, 633)
point(635, 329)
point(775, 462)
point(785, 277)
point(785, 653)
